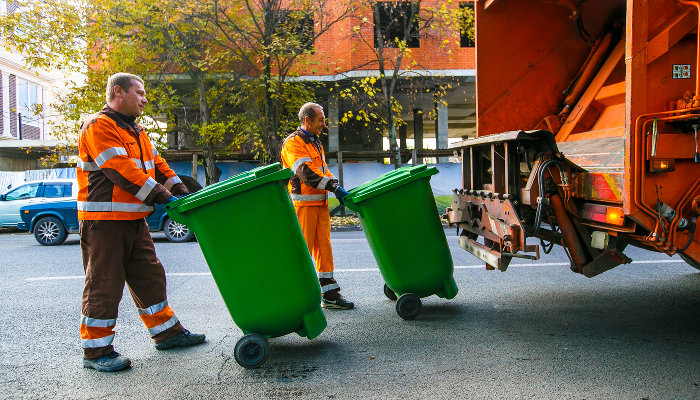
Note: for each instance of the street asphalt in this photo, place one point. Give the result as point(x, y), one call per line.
point(536, 331)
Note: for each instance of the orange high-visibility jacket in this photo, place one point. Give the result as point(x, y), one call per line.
point(120, 174)
point(312, 179)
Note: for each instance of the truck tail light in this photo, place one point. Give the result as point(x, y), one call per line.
point(606, 214)
point(662, 165)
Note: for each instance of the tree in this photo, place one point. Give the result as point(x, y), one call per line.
point(157, 40)
point(162, 40)
point(270, 38)
point(391, 30)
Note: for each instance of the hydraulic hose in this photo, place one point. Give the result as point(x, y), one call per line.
point(540, 186)
point(692, 233)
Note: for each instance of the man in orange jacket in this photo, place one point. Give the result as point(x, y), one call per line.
point(302, 152)
point(120, 177)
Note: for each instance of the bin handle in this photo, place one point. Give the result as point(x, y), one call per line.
point(418, 169)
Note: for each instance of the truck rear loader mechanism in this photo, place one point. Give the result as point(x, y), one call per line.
point(587, 132)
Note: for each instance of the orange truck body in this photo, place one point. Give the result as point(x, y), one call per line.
point(587, 126)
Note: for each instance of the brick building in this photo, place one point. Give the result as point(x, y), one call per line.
point(343, 54)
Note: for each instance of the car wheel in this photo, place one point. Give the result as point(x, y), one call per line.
point(177, 232)
point(49, 231)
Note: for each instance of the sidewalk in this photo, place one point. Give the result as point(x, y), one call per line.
point(349, 223)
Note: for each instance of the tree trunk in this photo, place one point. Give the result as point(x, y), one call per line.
point(388, 91)
point(395, 152)
point(271, 140)
point(211, 173)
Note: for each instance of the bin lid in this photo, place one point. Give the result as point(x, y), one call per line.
point(387, 182)
point(231, 186)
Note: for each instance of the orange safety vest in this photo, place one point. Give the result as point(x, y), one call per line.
point(120, 174)
point(312, 179)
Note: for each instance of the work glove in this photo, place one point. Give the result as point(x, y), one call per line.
point(182, 195)
point(170, 200)
point(340, 194)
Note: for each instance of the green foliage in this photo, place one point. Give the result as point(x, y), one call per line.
point(467, 23)
point(221, 69)
point(50, 33)
point(374, 99)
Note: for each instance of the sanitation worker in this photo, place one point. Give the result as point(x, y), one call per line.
point(302, 152)
point(121, 176)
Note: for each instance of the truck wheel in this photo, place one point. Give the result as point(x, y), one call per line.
point(176, 232)
point(408, 306)
point(251, 351)
point(49, 231)
point(690, 261)
point(389, 293)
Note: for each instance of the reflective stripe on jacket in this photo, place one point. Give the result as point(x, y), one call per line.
point(120, 174)
point(312, 179)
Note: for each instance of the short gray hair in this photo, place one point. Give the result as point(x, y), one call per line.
point(121, 79)
point(308, 110)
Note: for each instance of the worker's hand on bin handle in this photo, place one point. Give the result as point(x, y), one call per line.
point(340, 194)
point(174, 198)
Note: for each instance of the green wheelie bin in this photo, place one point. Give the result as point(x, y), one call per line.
point(398, 215)
point(252, 242)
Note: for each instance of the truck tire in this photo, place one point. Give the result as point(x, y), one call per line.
point(49, 231)
point(690, 261)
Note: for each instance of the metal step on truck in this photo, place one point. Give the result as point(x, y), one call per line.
point(587, 132)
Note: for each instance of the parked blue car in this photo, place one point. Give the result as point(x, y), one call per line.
point(52, 221)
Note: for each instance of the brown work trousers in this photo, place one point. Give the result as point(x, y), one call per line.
point(115, 252)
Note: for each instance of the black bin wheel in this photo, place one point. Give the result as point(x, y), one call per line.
point(389, 293)
point(251, 351)
point(408, 306)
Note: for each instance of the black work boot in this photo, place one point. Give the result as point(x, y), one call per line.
point(338, 304)
point(182, 339)
point(110, 363)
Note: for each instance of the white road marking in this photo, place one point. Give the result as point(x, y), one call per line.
point(534, 264)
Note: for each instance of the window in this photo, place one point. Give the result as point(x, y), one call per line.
point(23, 192)
point(302, 25)
point(299, 26)
point(466, 24)
point(393, 21)
point(27, 102)
point(57, 190)
point(11, 6)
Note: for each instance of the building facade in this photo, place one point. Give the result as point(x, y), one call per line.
point(435, 58)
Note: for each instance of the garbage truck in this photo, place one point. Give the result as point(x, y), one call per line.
point(588, 114)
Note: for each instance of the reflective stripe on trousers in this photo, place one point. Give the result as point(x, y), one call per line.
point(158, 317)
point(96, 332)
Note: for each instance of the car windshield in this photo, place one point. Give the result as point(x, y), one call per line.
point(23, 192)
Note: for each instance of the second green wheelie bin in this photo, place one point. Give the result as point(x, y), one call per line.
point(398, 215)
point(252, 242)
